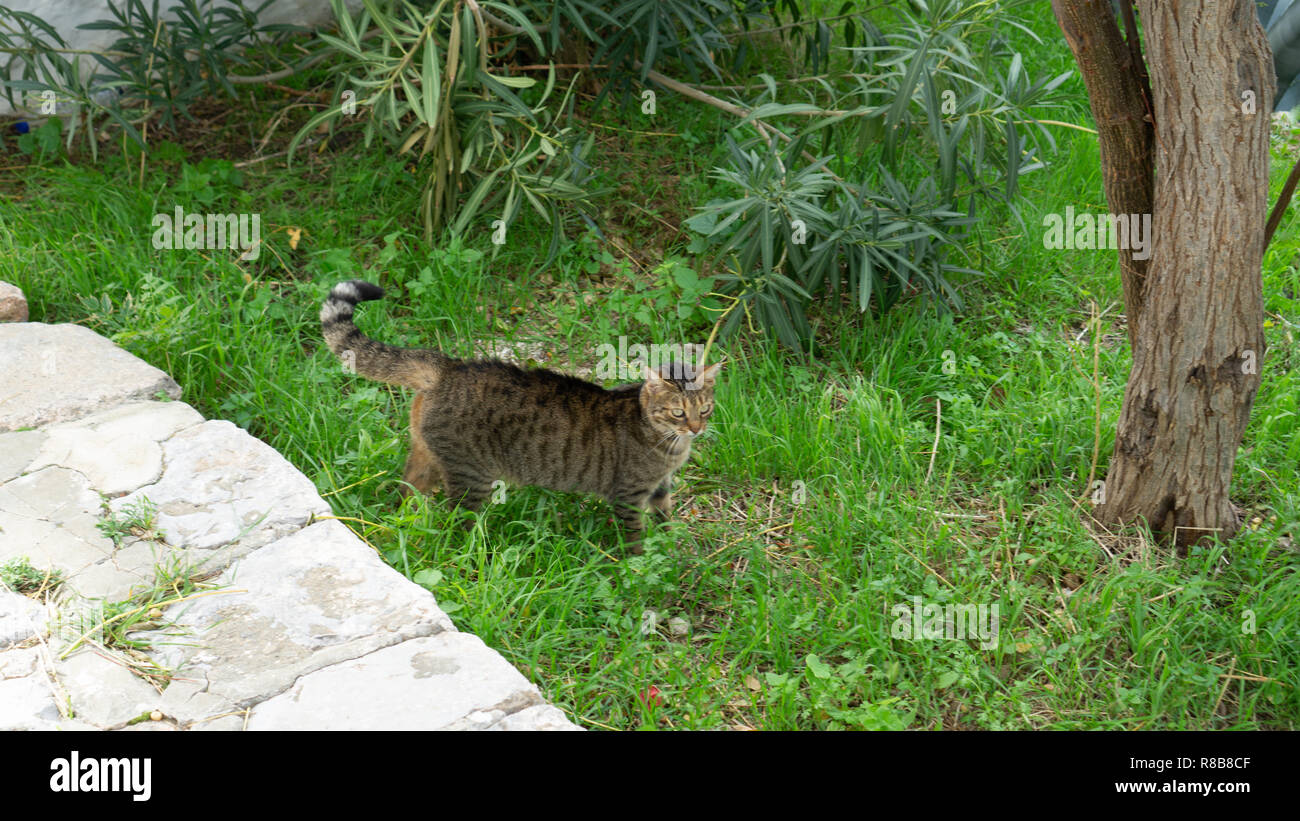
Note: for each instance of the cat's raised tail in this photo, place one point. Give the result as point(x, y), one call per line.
point(417, 368)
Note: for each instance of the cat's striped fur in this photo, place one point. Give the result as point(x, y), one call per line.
point(476, 421)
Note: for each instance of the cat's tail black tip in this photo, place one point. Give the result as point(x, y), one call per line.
point(356, 290)
point(344, 297)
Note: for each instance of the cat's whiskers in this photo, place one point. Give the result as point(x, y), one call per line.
point(672, 439)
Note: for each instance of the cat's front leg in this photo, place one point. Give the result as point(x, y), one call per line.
point(630, 514)
point(661, 501)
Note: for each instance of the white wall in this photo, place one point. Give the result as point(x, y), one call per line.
point(66, 15)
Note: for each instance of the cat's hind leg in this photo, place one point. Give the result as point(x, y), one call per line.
point(423, 472)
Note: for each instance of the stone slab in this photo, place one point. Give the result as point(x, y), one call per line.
point(223, 488)
point(26, 700)
point(429, 683)
point(21, 618)
point(61, 372)
point(117, 450)
point(103, 692)
point(17, 450)
point(27, 697)
point(49, 517)
point(108, 581)
point(304, 602)
point(539, 717)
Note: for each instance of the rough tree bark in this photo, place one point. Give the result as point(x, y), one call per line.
point(1120, 97)
point(1198, 339)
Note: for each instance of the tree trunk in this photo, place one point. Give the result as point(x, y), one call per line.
point(1117, 89)
point(1199, 332)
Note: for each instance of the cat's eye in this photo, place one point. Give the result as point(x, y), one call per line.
point(678, 413)
point(706, 410)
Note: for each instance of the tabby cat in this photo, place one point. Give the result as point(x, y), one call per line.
point(474, 422)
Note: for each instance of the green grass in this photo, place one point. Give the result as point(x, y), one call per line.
point(135, 520)
point(18, 575)
point(807, 514)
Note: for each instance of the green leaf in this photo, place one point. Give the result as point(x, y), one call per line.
point(514, 82)
point(776, 109)
point(524, 23)
point(382, 20)
point(776, 679)
point(431, 80)
point(413, 100)
point(427, 578)
point(817, 667)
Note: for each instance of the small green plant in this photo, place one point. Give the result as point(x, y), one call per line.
point(831, 695)
point(135, 519)
point(174, 581)
point(677, 292)
point(112, 626)
point(18, 575)
point(157, 311)
point(951, 106)
point(44, 142)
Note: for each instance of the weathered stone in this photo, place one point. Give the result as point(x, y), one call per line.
point(188, 702)
point(17, 450)
point(20, 618)
point(223, 488)
point(19, 663)
point(27, 703)
point(225, 724)
point(104, 692)
point(477, 720)
point(27, 695)
point(60, 372)
point(117, 450)
point(49, 517)
point(539, 717)
point(46, 546)
point(32, 539)
point(131, 568)
point(423, 684)
point(54, 494)
point(305, 602)
point(13, 304)
point(106, 581)
point(144, 556)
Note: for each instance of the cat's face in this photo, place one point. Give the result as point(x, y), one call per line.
point(677, 400)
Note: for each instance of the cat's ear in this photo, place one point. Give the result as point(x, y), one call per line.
point(652, 377)
point(707, 377)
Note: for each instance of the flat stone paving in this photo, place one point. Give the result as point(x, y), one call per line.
point(298, 624)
